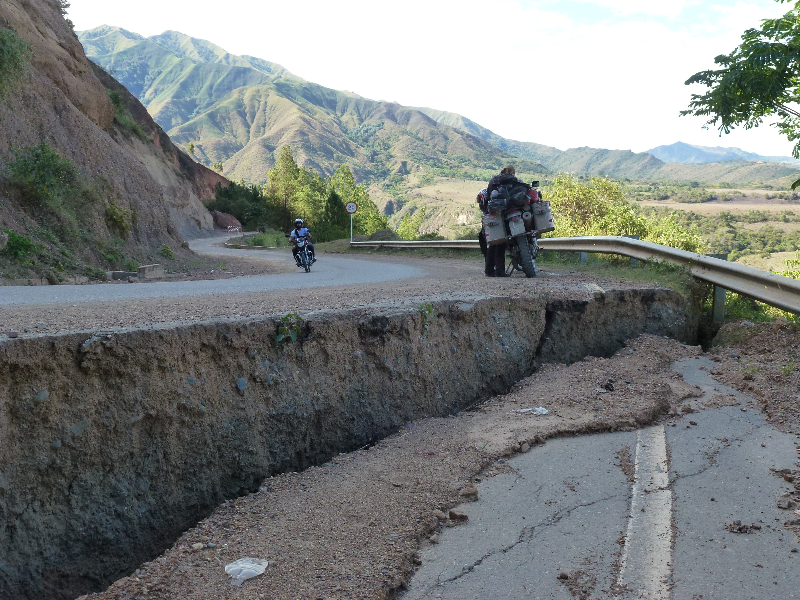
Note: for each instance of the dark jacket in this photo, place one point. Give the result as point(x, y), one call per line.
point(502, 179)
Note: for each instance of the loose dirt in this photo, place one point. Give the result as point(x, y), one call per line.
point(353, 527)
point(763, 360)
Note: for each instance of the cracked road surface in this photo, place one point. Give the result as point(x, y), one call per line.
point(631, 515)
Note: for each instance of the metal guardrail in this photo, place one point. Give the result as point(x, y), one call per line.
point(776, 290)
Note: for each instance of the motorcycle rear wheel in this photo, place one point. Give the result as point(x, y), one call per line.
point(526, 257)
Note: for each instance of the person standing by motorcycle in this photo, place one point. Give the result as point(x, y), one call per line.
point(492, 257)
point(495, 255)
point(300, 231)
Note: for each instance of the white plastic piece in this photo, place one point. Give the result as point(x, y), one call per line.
point(245, 568)
point(536, 411)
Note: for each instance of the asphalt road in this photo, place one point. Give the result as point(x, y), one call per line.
point(655, 530)
point(327, 271)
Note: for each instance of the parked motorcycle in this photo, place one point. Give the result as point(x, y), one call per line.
point(518, 219)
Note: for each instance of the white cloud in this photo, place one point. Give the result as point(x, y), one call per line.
point(556, 80)
point(661, 8)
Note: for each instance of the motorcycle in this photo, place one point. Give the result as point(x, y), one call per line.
point(303, 258)
point(518, 220)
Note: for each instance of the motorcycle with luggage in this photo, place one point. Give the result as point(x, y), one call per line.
point(516, 215)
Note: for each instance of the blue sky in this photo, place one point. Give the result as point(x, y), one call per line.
point(568, 73)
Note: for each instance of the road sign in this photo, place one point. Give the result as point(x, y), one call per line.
point(351, 207)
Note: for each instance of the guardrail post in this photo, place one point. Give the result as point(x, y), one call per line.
point(634, 261)
point(718, 298)
point(718, 304)
point(584, 257)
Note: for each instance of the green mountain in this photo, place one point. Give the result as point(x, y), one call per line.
point(238, 110)
point(627, 164)
point(690, 154)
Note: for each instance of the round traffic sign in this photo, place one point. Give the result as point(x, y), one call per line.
point(351, 207)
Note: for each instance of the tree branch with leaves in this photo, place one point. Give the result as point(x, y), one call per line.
point(759, 79)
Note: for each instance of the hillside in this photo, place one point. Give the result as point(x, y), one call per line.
point(632, 165)
point(239, 111)
point(89, 181)
point(688, 154)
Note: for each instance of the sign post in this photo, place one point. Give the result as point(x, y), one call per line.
point(351, 208)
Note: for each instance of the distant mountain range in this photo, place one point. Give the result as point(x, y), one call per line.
point(239, 110)
point(689, 154)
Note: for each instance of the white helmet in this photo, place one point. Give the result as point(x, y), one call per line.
point(296, 221)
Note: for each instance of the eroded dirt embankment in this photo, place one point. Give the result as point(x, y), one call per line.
point(114, 444)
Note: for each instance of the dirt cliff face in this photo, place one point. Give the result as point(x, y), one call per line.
point(63, 100)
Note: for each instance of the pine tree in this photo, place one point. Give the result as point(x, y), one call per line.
point(283, 181)
point(335, 222)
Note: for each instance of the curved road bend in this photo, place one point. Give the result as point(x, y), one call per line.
point(330, 271)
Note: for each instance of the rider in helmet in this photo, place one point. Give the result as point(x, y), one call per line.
point(301, 231)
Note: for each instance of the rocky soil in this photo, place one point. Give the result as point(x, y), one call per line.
point(763, 360)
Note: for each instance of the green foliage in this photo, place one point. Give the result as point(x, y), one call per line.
point(43, 177)
point(759, 79)
point(738, 307)
point(167, 252)
point(274, 239)
point(18, 246)
point(599, 208)
point(788, 368)
point(15, 56)
point(289, 328)
point(283, 178)
point(335, 222)
point(723, 234)
point(426, 312)
point(247, 203)
point(792, 267)
point(409, 226)
point(217, 166)
point(368, 218)
point(190, 148)
point(123, 117)
point(119, 218)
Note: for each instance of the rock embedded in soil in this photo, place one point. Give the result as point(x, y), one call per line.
point(469, 492)
point(458, 516)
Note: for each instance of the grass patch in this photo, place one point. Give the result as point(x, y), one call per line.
point(15, 56)
point(270, 239)
point(123, 117)
point(661, 273)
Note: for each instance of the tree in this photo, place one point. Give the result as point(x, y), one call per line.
point(368, 219)
point(190, 148)
point(409, 226)
point(335, 222)
point(283, 180)
point(760, 78)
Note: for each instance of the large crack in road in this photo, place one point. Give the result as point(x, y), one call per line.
point(680, 536)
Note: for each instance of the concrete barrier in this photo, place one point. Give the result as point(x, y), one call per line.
point(150, 271)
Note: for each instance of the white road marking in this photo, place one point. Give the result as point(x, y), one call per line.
point(647, 555)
